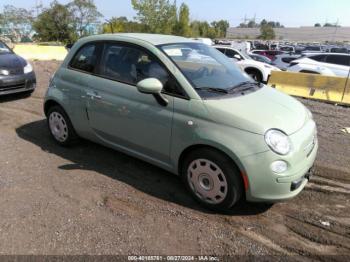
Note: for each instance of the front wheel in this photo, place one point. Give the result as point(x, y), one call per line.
point(256, 75)
point(213, 179)
point(60, 126)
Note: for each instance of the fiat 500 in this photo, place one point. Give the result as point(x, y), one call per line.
point(185, 107)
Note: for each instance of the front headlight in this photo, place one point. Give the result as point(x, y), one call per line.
point(278, 141)
point(28, 68)
point(309, 114)
point(4, 72)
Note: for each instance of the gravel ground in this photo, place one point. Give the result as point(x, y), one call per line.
point(91, 200)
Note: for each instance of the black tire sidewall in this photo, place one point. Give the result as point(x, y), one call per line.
point(256, 74)
point(231, 173)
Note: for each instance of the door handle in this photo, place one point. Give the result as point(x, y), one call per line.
point(93, 95)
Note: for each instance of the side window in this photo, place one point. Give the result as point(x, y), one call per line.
point(231, 53)
point(319, 58)
point(338, 60)
point(130, 65)
point(85, 59)
point(222, 50)
point(288, 59)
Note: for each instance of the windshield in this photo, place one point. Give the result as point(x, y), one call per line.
point(205, 67)
point(4, 48)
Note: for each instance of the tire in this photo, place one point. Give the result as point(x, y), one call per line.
point(255, 74)
point(60, 126)
point(212, 179)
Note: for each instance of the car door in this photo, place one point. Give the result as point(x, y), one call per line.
point(74, 83)
point(122, 116)
point(339, 64)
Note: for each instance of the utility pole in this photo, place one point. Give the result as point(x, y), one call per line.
point(336, 29)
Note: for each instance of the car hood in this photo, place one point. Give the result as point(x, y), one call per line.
point(259, 111)
point(11, 61)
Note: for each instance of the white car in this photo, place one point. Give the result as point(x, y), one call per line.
point(257, 70)
point(203, 40)
point(331, 64)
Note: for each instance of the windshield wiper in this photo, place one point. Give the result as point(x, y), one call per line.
point(244, 86)
point(212, 89)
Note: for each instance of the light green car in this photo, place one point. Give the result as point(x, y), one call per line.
point(185, 107)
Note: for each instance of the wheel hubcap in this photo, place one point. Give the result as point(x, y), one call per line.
point(58, 126)
point(207, 181)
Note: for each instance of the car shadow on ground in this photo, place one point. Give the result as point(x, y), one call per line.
point(13, 97)
point(136, 173)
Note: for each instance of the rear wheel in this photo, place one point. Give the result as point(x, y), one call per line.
point(212, 178)
point(60, 126)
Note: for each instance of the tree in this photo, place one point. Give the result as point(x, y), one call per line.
point(16, 20)
point(251, 24)
point(317, 25)
point(183, 24)
point(267, 32)
point(220, 27)
point(84, 13)
point(16, 16)
point(159, 16)
point(55, 24)
point(121, 24)
point(263, 23)
point(330, 25)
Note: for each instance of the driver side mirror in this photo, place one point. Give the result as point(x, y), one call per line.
point(150, 86)
point(154, 87)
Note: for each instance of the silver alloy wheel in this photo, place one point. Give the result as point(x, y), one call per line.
point(58, 126)
point(207, 181)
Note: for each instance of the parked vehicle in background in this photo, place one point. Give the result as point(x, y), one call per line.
point(268, 53)
point(322, 63)
point(206, 41)
point(257, 70)
point(341, 50)
point(283, 61)
point(312, 49)
point(261, 58)
point(16, 74)
point(184, 107)
point(288, 49)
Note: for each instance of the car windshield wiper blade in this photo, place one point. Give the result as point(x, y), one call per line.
point(244, 86)
point(212, 89)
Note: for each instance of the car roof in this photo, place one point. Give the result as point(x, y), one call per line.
point(154, 39)
point(325, 53)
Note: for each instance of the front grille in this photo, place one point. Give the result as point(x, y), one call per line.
point(12, 87)
point(16, 71)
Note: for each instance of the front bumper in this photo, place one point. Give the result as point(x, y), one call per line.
point(17, 83)
point(267, 186)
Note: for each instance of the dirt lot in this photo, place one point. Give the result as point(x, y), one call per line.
point(91, 200)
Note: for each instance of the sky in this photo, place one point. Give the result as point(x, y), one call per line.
point(291, 13)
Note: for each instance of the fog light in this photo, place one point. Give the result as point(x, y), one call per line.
point(279, 166)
